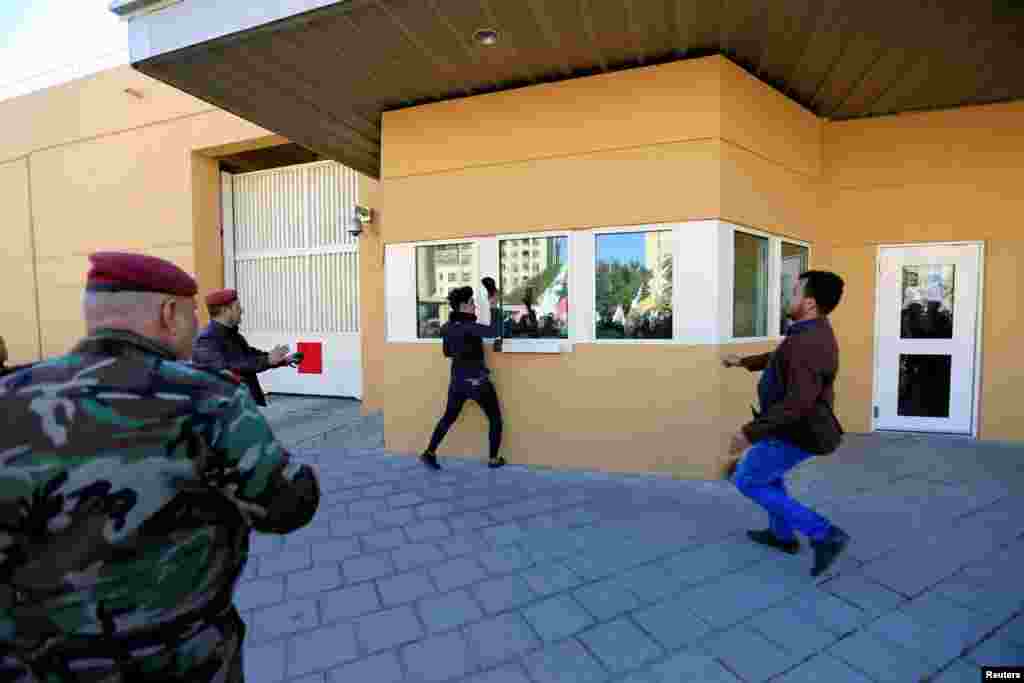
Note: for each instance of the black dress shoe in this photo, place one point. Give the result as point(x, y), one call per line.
point(826, 552)
point(430, 460)
point(766, 537)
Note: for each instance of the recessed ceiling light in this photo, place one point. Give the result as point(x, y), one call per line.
point(486, 37)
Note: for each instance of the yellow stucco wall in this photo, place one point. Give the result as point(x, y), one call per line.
point(105, 170)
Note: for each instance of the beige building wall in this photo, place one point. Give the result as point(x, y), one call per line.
point(89, 165)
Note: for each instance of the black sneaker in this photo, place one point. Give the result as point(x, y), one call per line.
point(430, 460)
point(766, 537)
point(826, 552)
point(494, 463)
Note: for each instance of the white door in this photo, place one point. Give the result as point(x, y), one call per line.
point(926, 338)
point(288, 253)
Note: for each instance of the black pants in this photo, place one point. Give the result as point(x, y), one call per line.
point(460, 391)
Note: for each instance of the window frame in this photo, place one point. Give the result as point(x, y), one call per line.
point(727, 281)
point(673, 230)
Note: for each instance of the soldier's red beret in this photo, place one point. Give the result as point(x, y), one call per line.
point(115, 271)
point(222, 297)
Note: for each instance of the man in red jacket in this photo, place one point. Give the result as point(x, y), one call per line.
point(796, 421)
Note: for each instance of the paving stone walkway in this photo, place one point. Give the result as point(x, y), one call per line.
point(530, 575)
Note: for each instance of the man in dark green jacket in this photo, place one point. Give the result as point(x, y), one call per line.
point(796, 420)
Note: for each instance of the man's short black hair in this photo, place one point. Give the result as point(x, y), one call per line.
point(459, 296)
point(824, 287)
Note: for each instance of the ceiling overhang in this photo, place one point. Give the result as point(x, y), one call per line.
point(321, 73)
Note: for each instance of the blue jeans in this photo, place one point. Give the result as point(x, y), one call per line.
point(759, 476)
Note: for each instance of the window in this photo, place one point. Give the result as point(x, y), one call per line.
point(750, 285)
point(633, 285)
point(466, 276)
point(431, 300)
point(537, 306)
point(794, 262)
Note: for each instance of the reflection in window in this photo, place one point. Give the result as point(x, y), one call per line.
point(633, 285)
point(924, 385)
point(750, 286)
point(537, 306)
point(794, 262)
point(437, 265)
point(927, 311)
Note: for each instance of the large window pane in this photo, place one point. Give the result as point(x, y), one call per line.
point(633, 285)
point(794, 262)
point(438, 271)
point(750, 286)
point(535, 297)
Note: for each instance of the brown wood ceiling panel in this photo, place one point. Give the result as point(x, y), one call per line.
point(324, 78)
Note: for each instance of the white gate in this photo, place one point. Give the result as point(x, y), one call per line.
point(288, 253)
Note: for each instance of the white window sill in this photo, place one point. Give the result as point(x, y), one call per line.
point(751, 340)
point(536, 346)
point(620, 342)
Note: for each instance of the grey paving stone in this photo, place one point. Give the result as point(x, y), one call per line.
point(335, 551)
point(259, 593)
point(873, 598)
point(388, 629)
point(621, 646)
point(650, 583)
point(438, 658)
point(681, 667)
point(381, 668)
point(366, 567)
point(367, 508)
point(403, 500)
point(322, 649)
point(466, 543)
point(504, 534)
point(350, 526)
point(510, 673)
point(307, 535)
point(502, 594)
point(414, 555)
point(290, 617)
point(713, 560)
point(732, 598)
point(468, 521)
point(348, 603)
point(265, 544)
point(430, 530)
point(451, 610)
point(383, 540)
point(378, 491)
point(557, 618)
point(265, 662)
point(434, 510)
point(498, 639)
point(457, 573)
point(879, 659)
point(551, 578)
point(823, 668)
point(311, 678)
point(997, 651)
point(504, 560)
point(394, 518)
point(671, 624)
point(1014, 631)
point(836, 615)
point(285, 561)
point(749, 654)
point(937, 646)
point(795, 631)
point(564, 661)
point(312, 581)
point(403, 588)
point(960, 671)
point(606, 599)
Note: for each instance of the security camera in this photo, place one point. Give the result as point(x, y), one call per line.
point(360, 217)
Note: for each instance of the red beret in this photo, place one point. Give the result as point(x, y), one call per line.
point(114, 271)
point(222, 297)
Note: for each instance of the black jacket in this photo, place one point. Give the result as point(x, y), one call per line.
point(462, 338)
point(219, 347)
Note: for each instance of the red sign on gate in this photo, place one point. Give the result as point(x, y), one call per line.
point(313, 358)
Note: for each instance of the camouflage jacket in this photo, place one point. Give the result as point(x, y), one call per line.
point(129, 483)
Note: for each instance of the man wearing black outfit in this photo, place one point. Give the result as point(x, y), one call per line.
point(220, 346)
point(462, 341)
point(796, 421)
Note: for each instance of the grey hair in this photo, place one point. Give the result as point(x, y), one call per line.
point(136, 309)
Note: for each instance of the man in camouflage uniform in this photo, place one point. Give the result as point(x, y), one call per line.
point(129, 483)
